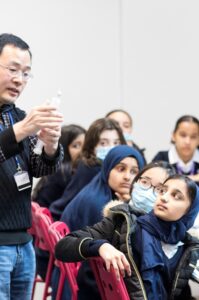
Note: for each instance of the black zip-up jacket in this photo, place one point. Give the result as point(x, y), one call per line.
point(117, 229)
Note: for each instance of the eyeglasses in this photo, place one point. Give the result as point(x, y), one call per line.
point(145, 183)
point(14, 72)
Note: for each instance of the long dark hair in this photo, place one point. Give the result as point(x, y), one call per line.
point(92, 138)
point(68, 134)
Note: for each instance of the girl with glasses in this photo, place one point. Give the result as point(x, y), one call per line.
point(76, 217)
point(158, 254)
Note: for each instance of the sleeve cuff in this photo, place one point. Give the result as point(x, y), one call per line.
point(90, 248)
point(53, 160)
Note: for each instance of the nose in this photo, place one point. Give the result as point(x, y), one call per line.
point(18, 78)
point(165, 198)
point(128, 176)
point(187, 140)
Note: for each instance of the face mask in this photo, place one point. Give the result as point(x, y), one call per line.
point(127, 136)
point(142, 199)
point(101, 152)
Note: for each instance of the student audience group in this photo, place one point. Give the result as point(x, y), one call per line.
point(99, 198)
point(140, 217)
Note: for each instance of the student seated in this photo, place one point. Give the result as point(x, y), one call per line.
point(126, 123)
point(119, 168)
point(102, 135)
point(50, 188)
point(184, 153)
point(158, 254)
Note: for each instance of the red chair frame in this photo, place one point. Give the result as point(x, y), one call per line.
point(109, 286)
point(42, 219)
point(68, 271)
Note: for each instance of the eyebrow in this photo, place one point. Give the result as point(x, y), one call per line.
point(19, 65)
point(105, 139)
point(123, 164)
point(146, 177)
point(176, 190)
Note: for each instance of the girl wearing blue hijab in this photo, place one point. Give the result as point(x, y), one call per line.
point(118, 170)
point(160, 255)
point(86, 208)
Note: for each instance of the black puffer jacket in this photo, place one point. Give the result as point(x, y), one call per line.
point(117, 228)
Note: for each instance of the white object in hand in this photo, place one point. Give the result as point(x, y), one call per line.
point(55, 101)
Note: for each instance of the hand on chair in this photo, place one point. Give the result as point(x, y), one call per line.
point(116, 259)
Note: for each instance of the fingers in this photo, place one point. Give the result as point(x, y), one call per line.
point(115, 259)
point(124, 197)
point(126, 265)
point(121, 265)
point(50, 136)
point(42, 117)
point(116, 266)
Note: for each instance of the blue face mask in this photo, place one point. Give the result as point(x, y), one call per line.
point(101, 152)
point(128, 137)
point(142, 199)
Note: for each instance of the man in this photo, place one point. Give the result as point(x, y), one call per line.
point(18, 165)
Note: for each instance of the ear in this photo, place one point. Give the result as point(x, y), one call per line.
point(173, 138)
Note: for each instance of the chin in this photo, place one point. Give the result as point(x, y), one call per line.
point(8, 101)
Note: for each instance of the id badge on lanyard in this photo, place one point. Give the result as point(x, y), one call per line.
point(22, 180)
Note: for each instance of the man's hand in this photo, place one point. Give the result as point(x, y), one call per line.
point(116, 259)
point(50, 138)
point(41, 117)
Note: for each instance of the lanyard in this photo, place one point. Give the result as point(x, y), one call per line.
point(19, 169)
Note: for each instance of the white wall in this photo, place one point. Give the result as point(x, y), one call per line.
point(104, 54)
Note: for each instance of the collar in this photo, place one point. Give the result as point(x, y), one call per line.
point(175, 159)
point(6, 107)
point(169, 249)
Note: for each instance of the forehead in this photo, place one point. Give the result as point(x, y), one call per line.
point(188, 127)
point(177, 184)
point(156, 174)
point(129, 161)
point(14, 55)
point(120, 117)
point(109, 134)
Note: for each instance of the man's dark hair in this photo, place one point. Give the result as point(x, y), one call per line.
point(10, 39)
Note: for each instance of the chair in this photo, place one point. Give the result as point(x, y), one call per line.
point(34, 207)
point(32, 231)
point(68, 271)
point(42, 219)
point(109, 286)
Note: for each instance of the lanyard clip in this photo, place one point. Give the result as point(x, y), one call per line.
point(19, 169)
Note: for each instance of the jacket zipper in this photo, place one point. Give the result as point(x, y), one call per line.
point(129, 255)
